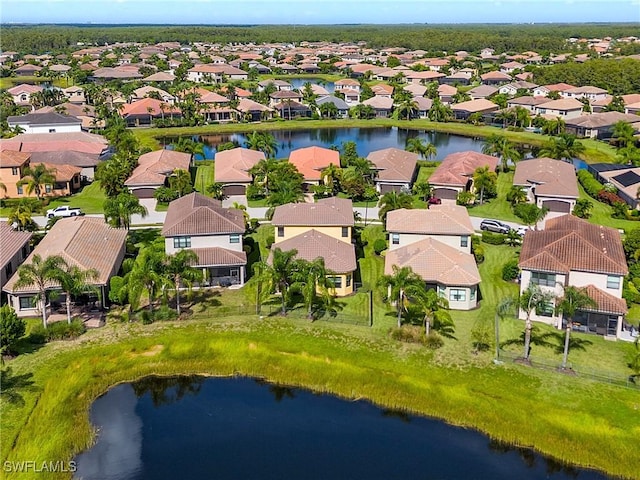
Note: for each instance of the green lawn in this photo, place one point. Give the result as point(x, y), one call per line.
point(497, 208)
point(90, 199)
point(257, 203)
point(204, 177)
point(601, 214)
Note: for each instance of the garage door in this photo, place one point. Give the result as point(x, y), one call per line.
point(229, 190)
point(557, 206)
point(445, 193)
point(144, 192)
point(386, 188)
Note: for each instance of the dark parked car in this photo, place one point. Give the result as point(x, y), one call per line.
point(494, 226)
point(434, 201)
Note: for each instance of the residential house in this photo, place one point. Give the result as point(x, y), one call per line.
point(425, 76)
point(482, 91)
point(564, 108)
point(14, 251)
point(21, 94)
point(160, 77)
point(509, 67)
point(208, 73)
point(458, 78)
point(396, 169)
point(145, 111)
point(383, 106)
point(253, 111)
point(213, 233)
point(85, 242)
point(86, 163)
point(463, 110)
point(599, 125)
point(545, 90)
point(151, 92)
point(548, 183)
point(290, 109)
point(347, 84)
point(284, 96)
point(573, 252)
point(154, 169)
point(278, 84)
point(446, 93)
point(382, 90)
point(436, 244)
point(232, 169)
point(626, 179)
point(415, 89)
point(423, 105)
point(27, 70)
point(341, 105)
point(514, 88)
point(589, 92)
point(310, 162)
point(51, 122)
point(12, 165)
point(455, 173)
point(530, 103)
point(320, 230)
point(351, 97)
point(495, 78)
point(74, 94)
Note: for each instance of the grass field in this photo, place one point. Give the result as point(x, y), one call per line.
point(204, 177)
point(90, 199)
point(498, 207)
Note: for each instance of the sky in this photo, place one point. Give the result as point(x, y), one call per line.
point(317, 11)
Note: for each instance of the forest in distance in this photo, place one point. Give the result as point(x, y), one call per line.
point(434, 39)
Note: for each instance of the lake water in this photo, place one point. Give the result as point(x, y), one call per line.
point(239, 428)
point(298, 83)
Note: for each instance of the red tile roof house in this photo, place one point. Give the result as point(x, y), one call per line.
point(320, 230)
point(495, 78)
point(549, 183)
point(232, 169)
point(145, 111)
point(310, 162)
point(455, 173)
point(463, 110)
point(383, 106)
point(153, 171)
point(22, 93)
point(213, 233)
point(573, 252)
point(436, 244)
point(396, 169)
point(86, 242)
point(15, 248)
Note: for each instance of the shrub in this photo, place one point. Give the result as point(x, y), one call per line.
point(407, 334)
point(510, 270)
point(379, 245)
point(582, 208)
point(493, 238)
point(164, 313)
point(433, 341)
point(11, 327)
point(609, 198)
point(57, 331)
point(590, 184)
point(477, 249)
point(254, 192)
point(466, 198)
point(165, 194)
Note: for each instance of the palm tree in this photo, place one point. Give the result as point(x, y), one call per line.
point(74, 281)
point(523, 117)
point(119, 210)
point(189, 145)
point(280, 273)
point(483, 179)
point(393, 201)
point(263, 142)
point(516, 195)
point(40, 273)
point(328, 110)
point(21, 217)
point(311, 279)
point(407, 107)
point(35, 178)
point(179, 270)
point(416, 145)
point(532, 299)
point(623, 134)
point(423, 189)
point(564, 146)
point(216, 190)
point(397, 283)
point(499, 146)
point(439, 112)
point(331, 177)
point(180, 181)
point(147, 272)
point(112, 174)
point(432, 305)
point(574, 299)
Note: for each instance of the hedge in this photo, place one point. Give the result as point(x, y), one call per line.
point(589, 183)
point(493, 238)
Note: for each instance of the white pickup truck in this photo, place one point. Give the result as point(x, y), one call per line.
point(64, 211)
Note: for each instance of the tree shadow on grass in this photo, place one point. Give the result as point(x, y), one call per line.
point(575, 343)
point(12, 385)
point(202, 300)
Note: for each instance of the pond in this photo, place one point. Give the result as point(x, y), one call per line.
point(298, 83)
point(196, 427)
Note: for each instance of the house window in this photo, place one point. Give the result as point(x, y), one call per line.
point(25, 251)
point(14, 170)
point(345, 232)
point(8, 270)
point(27, 303)
point(613, 282)
point(47, 188)
point(472, 293)
point(543, 279)
point(545, 310)
point(182, 242)
point(464, 241)
point(395, 238)
point(442, 291)
point(349, 280)
point(235, 238)
point(20, 190)
point(280, 231)
point(336, 281)
point(457, 295)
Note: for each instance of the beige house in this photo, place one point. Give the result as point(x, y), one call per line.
point(396, 169)
point(15, 248)
point(549, 183)
point(436, 244)
point(213, 233)
point(573, 252)
point(455, 173)
point(232, 169)
point(153, 171)
point(564, 108)
point(86, 242)
point(320, 230)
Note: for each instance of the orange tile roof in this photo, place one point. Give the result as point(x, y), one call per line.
point(10, 158)
point(437, 220)
point(310, 161)
point(457, 168)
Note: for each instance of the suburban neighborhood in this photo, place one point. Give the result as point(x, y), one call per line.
point(470, 210)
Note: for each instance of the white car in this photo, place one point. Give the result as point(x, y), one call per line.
point(522, 230)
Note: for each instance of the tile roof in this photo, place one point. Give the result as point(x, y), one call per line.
point(482, 91)
point(154, 167)
point(62, 157)
point(310, 161)
point(10, 158)
point(437, 220)
point(63, 173)
point(247, 105)
point(478, 105)
point(86, 242)
point(394, 165)
point(195, 214)
point(43, 118)
point(327, 212)
point(435, 262)
point(457, 168)
point(549, 177)
point(218, 256)
point(379, 103)
point(50, 142)
point(562, 104)
point(233, 165)
point(12, 241)
point(339, 256)
point(603, 119)
point(571, 244)
point(605, 302)
point(558, 87)
point(148, 106)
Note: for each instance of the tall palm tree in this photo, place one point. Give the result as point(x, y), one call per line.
point(180, 181)
point(263, 172)
point(408, 107)
point(74, 281)
point(563, 147)
point(623, 134)
point(393, 201)
point(119, 210)
point(280, 273)
point(483, 179)
point(331, 177)
point(439, 112)
point(499, 146)
point(40, 273)
point(21, 217)
point(311, 280)
point(397, 283)
point(423, 190)
point(532, 299)
point(216, 190)
point(263, 142)
point(35, 178)
point(147, 272)
point(433, 306)
point(574, 299)
point(416, 145)
point(180, 271)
